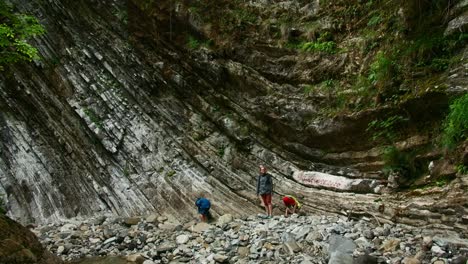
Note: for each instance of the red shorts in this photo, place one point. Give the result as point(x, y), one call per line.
point(266, 198)
point(288, 201)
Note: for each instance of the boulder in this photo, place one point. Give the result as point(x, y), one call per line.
point(220, 258)
point(200, 227)
point(436, 250)
point(243, 251)
point(443, 169)
point(341, 250)
point(224, 219)
point(129, 221)
point(457, 25)
point(152, 218)
point(135, 258)
point(182, 239)
point(390, 245)
point(411, 260)
point(292, 247)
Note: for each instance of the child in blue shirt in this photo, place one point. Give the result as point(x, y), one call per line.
point(204, 205)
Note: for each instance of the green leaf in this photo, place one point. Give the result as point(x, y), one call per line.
point(15, 30)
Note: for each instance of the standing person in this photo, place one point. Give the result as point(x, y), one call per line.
point(292, 205)
point(204, 206)
point(265, 189)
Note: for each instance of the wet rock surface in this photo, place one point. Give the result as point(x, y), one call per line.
point(296, 239)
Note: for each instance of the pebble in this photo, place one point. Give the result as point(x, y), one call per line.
point(249, 240)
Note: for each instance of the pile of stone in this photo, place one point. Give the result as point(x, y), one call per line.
point(296, 239)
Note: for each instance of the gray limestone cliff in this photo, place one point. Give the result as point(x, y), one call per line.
point(118, 119)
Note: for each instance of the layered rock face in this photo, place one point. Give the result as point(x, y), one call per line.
point(117, 119)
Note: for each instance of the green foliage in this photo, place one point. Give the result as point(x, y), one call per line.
point(370, 3)
point(431, 51)
point(93, 117)
point(402, 162)
point(194, 10)
point(359, 96)
point(170, 173)
point(375, 20)
point(308, 88)
point(442, 182)
point(325, 86)
point(126, 170)
point(365, 92)
point(231, 20)
point(327, 46)
point(439, 64)
point(380, 69)
point(462, 169)
point(194, 43)
point(409, 54)
point(122, 16)
point(215, 108)
point(385, 129)
point(455, 128)
point(324, 44)
point(221, 151)
point(15, 30)
point(329, 83)
point(245, 16)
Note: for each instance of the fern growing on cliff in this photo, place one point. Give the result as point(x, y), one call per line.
point(386, 129)
point(15, 30)
point(456, 123)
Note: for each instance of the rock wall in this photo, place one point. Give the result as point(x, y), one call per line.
point(117, 119)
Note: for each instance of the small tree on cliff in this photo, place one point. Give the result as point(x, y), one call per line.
point(15, 30)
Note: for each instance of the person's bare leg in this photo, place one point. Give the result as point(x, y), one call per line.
point(265, 205)
point(286, 212)
point(270, 209)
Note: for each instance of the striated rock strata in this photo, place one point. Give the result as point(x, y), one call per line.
point(117, 119)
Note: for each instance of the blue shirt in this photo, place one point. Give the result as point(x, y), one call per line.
point(203, 203)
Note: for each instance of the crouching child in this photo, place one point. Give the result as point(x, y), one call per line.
point(292, 205)
point(204, 206)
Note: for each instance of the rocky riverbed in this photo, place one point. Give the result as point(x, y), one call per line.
point(296, 239)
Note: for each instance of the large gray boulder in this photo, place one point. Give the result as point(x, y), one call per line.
point(341, 250)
